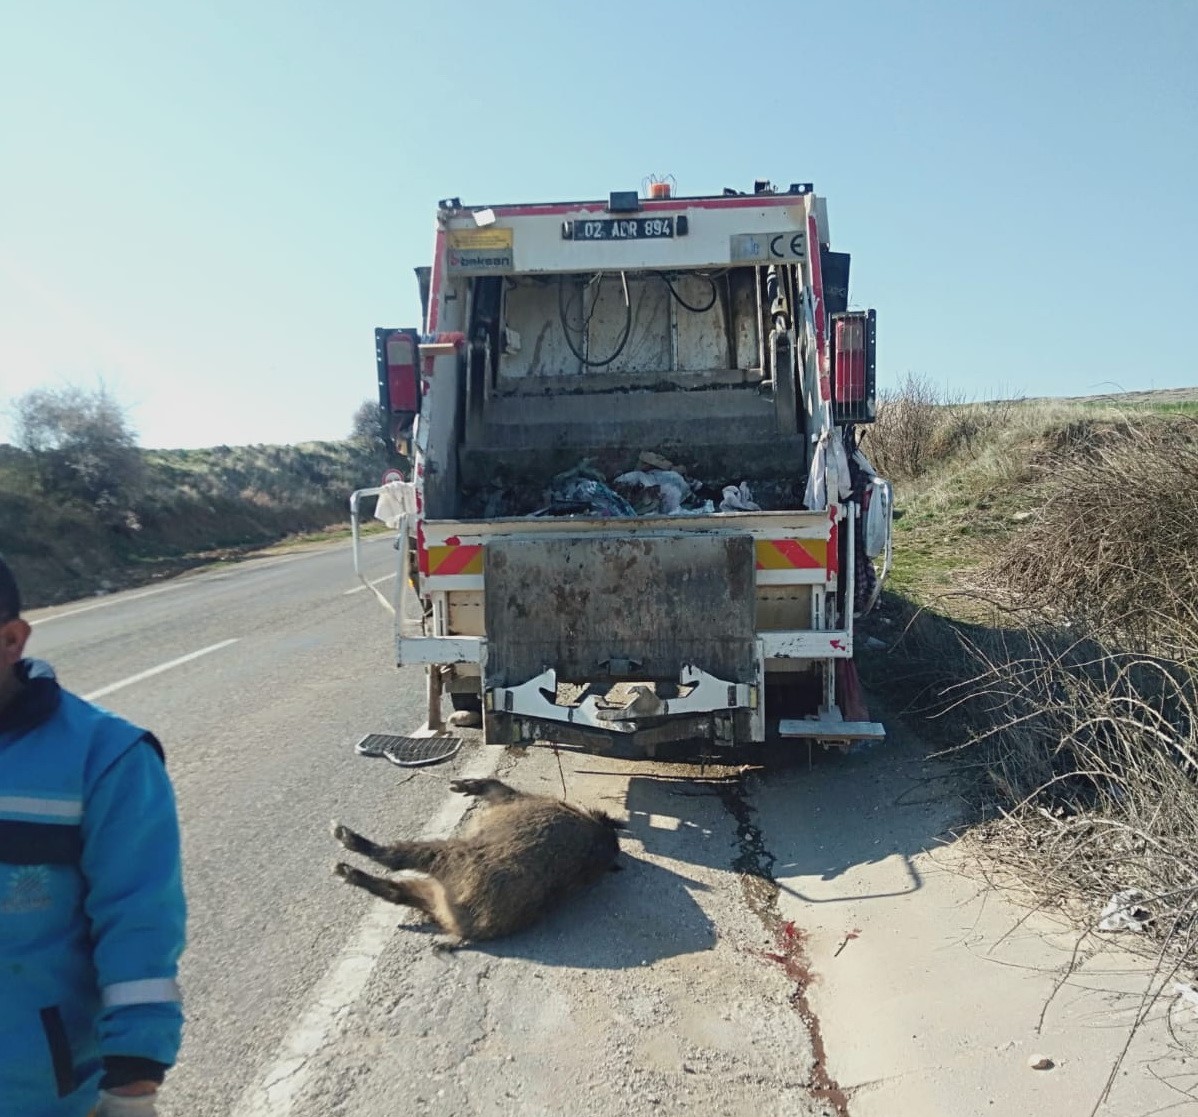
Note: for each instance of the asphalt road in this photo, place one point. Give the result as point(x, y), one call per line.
point(779, 943)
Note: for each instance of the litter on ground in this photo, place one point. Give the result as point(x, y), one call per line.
point(1122, 913)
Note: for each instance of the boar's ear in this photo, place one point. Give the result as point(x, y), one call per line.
point(607, 820)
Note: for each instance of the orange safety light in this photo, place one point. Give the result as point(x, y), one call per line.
point(659, 187)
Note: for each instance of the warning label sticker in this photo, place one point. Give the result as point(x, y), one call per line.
point(489, 238)
point(479, 251)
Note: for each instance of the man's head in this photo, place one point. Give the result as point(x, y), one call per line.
point(14, 632)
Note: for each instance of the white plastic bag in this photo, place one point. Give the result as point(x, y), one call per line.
point(398, 499)
point(738, 499)
point(1123, 913)
point(672, 487)
point(829, 475)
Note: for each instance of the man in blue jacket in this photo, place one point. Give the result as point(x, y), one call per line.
point(92, 914)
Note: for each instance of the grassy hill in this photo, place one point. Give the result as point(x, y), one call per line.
point(1041, 632)
point(999, 496)
point(195, 506)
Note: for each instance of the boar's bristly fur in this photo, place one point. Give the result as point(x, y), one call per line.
point(518, 856)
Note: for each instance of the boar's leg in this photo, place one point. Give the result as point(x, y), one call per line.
point(423, 893)
point(400, 855)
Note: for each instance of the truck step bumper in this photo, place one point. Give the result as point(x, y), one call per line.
point(536, 699)
point(831, 729)
point(721, 731)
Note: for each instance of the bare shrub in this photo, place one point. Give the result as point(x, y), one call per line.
point(965, 430)
point(369, 424)
point(369, 429)
point(1090, 756)
point(256, 497)
point(900, 440)
point(83, 447)
point(1084, 760)
point(1114, 547)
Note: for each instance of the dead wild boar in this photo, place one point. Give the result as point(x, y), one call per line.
point(518, 856)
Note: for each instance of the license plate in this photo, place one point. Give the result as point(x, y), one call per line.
point(620, 228)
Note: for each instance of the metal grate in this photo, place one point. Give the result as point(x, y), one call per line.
point(408, 752)
point(371, 745)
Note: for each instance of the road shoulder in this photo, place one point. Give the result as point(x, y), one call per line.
point(928, 985)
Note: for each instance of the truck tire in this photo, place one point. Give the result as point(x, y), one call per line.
point(466, 701)
point(467, 709)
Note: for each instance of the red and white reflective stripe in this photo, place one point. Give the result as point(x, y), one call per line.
point(817, 292)
point(147, 991)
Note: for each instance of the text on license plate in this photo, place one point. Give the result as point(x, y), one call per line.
point(620, 228)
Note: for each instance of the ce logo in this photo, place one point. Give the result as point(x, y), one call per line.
point(796, 246)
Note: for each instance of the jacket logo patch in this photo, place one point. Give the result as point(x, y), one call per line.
point(26, 889)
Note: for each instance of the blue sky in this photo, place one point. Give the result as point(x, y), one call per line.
point(211, 205)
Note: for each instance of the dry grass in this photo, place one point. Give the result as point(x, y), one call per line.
point(1114, 546)
point(1067, 691)
point(1090, 757)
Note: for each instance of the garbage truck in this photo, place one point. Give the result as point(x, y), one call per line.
point(638, 511)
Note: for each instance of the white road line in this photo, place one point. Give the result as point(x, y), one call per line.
point(359, 589)
point(275, 1093)
point(156, 670)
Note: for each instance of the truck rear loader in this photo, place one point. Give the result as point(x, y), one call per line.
point(639, 511)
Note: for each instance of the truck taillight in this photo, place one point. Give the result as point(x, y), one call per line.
point(403, 383)
point(854, 373)
point(397, 353)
